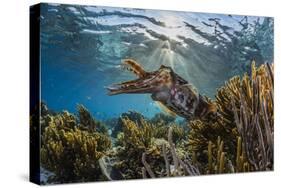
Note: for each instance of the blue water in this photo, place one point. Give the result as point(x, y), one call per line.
point(82, 48)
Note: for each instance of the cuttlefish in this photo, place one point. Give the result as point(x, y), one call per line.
point(167, 88)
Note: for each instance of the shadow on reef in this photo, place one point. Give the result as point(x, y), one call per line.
point(78, 148)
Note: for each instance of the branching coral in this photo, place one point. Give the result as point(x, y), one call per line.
point(143, 136)
point(176, 165)
point(180, 166)
point(116, 124)
point(162, 119)
point(219, 161)
point(87, 122)
point(178, 132)
point(161, 124)
point(70, 152)
point(132, 142)
point(85, 119)
point(245, 109)
point(254, 118)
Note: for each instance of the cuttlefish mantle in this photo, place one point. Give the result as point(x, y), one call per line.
point(165, 87)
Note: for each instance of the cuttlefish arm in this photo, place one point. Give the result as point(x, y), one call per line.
point(134, 67)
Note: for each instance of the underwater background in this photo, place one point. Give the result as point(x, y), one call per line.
point(82, 48)
point(87, 135)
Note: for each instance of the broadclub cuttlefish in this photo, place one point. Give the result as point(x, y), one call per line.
point(167, 88)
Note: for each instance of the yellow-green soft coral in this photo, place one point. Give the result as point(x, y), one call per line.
point(219, 161)
point(70, 152)
point(245, 110)
point(146, 137)
point(175, 164)
point(179, 134)
point(136, 139)
point(254, 117)
point(87, 122)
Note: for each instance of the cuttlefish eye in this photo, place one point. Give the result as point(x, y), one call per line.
point(165, 67)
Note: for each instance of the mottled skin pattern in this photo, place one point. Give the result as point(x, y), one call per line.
point(166, 87)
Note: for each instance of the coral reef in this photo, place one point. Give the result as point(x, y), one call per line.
point(178, 132)
point(254, 117)
point(162, 122)
point(238, 138)
point(86, 121)
point(220, 161)
point(71, 148)
point(174, 164)
point(116, 124)
point(162, 119)
point(134, 140)
point(141, 136)
point(245, 110)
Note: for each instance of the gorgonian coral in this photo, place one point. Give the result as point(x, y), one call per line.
point(132, 142)
point(143, 141)
point(245, 109)
point(254, 117)
point(71, 150)
point(175, 165)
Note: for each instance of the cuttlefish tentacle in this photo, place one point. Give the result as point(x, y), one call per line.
point(166, 87)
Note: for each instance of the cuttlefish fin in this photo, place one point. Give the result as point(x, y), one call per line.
point(134, 67)
point(165, 109)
